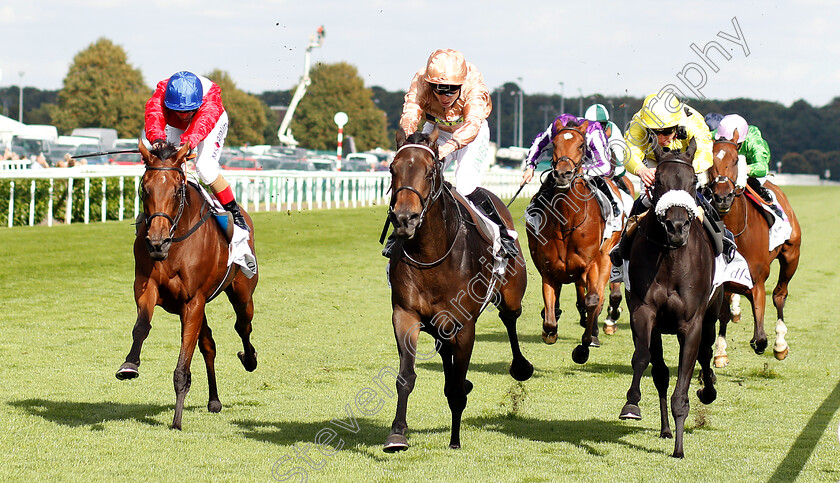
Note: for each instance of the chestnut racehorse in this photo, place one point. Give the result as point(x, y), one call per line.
point(442, 276)
point(180, 264)
point(744, 218)
point(566, 243)
point(671, 291)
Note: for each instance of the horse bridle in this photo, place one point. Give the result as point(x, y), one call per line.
point(181, 193)
point(434, 191)
point(720, 179)
point(579, 164)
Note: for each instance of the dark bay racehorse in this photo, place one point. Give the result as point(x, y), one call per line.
point(568, 246)
point(671, 292)
point(745, 219)
point(180, 263)
point(441, 277)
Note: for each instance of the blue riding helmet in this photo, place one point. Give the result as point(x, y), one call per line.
point(183, 92)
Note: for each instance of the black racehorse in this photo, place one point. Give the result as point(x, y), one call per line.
point(441, 275)
point(671, 291)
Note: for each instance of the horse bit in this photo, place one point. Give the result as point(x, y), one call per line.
point(180, 193)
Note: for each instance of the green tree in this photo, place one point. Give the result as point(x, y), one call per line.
point(338, 87)
point(246, 112)
point(102, 90)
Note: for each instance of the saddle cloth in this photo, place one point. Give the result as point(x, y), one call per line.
point(735, 271)
point(781, 230)
point(238, 250)
point(488, 230)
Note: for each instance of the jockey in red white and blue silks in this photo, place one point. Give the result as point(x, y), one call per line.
point(596, 160)
point(210, 123)
point(186, 109)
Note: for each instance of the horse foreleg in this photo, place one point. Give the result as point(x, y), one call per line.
point(661, 376)
point(707, 394)
point(689, 347)
point(240, 296)
point(614, 311)
point(641, 322)
point(788, 263)
point(757, 299)
point(456, 380)
point(192, 319)
point(145, 296)
point(406, 331)
point(592, 303)
point(735, 307)
point(207, 346)
point(550, 297)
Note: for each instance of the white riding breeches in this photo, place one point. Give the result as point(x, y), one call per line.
point(471, 160)
point(208, 151)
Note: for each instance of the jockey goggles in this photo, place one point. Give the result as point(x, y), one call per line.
point(664, 131)
point(447, 90)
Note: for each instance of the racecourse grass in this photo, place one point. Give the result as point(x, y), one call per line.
point(323, 332)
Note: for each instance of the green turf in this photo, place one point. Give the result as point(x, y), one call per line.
point(323, 333)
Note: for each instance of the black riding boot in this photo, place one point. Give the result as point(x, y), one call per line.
point(389, 245)
point(238, 219)
point(480, 199)
point(619, 181)
point(764, 193)
point(602, 185)
point(729, 246)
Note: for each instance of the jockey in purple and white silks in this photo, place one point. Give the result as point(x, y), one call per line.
point(596, 158)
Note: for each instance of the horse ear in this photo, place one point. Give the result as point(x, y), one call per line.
point(182, 153)
point(736, 136)
point(144, 151)
point(692, 148)
point(584, 126)
point(400, 137)
point(657, 150)
point(434, 135)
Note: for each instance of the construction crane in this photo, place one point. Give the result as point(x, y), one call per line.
point(285, 132)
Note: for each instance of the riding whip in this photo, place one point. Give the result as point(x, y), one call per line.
point(88, 155)
point(515, 195)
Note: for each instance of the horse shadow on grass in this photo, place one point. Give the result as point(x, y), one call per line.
point(93, 414)
point(581, 433)
point(364, 436)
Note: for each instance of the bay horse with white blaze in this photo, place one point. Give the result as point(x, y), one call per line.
point(180, 264)
point(442, 276)
point(568, 245)
point(671, 291)
point(745, 219)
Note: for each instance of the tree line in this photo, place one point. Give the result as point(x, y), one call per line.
point(102, 90)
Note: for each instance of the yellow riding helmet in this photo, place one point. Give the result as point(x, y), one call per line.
point(446, 66)
point(661, 111)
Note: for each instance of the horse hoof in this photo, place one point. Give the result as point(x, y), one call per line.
point(521, 371)
point(783, 354)
point(250, 367)
point(758, 348)
point(721, 361)
point(468, 386)
point(595, 342)
point(394, 443)
point(580, 354)
point(630, 411)
point(736, 318)
point(127, 371)
point(609, 329)
point(214, 406)
point(666, 434)
point(678, 454)
point(549, 338)
point(707, 395)
point(455, 446)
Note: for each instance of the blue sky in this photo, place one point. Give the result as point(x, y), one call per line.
point(785, 51)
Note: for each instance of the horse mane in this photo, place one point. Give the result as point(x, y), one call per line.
point(419, 137)
point(167, 151)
